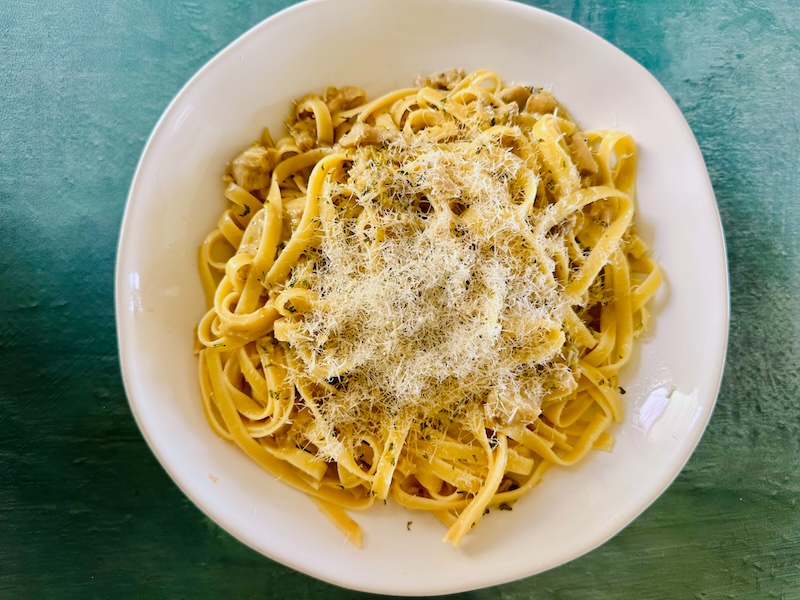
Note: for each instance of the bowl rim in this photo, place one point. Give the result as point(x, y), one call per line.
point(124, 324)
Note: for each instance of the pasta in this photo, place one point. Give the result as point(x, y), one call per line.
point(427, 296)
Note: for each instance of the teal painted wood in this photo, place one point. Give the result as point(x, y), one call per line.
point(86, 511)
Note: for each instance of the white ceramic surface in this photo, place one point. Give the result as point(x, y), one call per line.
point(176, 197)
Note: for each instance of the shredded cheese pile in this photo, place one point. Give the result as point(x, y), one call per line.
point(425, 306)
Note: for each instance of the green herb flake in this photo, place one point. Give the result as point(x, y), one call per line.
point(504, 506)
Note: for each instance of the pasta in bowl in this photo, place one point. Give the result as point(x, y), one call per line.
point(177, 197)
point(429, 296)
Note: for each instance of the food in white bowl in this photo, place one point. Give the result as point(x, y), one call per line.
point(427, 295)
point(176, 198)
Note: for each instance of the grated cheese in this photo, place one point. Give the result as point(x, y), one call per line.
point(423, 307)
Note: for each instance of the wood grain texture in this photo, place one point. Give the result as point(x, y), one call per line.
point(85, 509)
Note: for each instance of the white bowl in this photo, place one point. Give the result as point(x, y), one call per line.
point(176, 197)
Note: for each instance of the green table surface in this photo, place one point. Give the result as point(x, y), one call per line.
point(85, 508)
